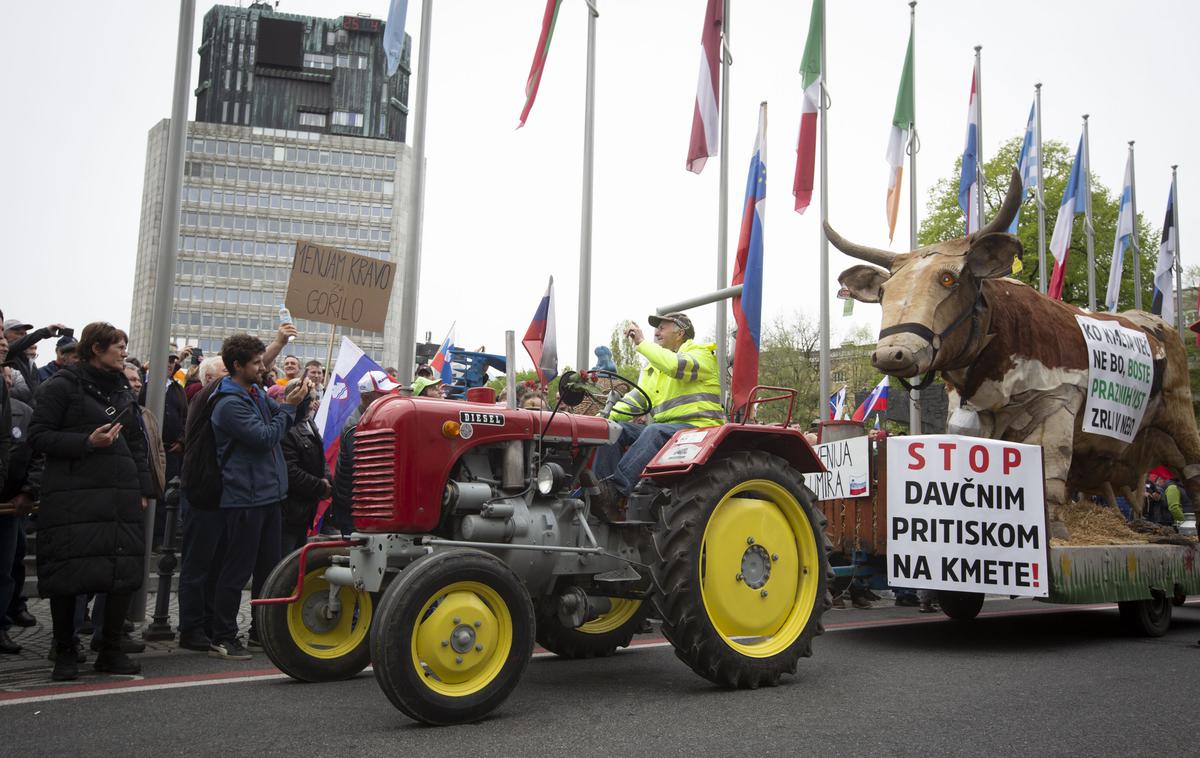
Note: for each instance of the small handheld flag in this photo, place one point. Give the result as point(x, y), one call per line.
point(837, 404)
point(876, 401)
point(440, 364)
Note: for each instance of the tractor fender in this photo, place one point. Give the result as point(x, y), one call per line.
point(689, 449)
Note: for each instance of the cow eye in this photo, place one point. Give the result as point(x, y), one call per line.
point(948, 279)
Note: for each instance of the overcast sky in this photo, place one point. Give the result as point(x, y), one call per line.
point(87, 80)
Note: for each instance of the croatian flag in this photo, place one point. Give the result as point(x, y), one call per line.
point(810, 78)
point(441, 359)
point(341, 396)
point(540, 53)
point(837, 404)
point(876, 401)
point(540, 341)
point(968, 182)
point(706, 122)
point(1060, 241)
point(393, 35)
point(1164, 303)
point(748, 271)
point(1027, 165)
point(1121, 240)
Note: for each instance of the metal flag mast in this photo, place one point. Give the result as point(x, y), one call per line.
point(585, 219)
point(1178, 258)
point(823, 282)
point(979, 136)
point(1134, 244)
point(723, 210)
point(914, 396)
point(1040, 196)
point(1089, 232)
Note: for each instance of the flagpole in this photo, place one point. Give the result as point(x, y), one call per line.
point(723, 210)
point(1041, 200)
point(914, 396)
point(416, 198)
point(1137, 248)
point(979, 133)
point(1178, 258)
point(585, 220)
point(823, 282)
point(1089, 232)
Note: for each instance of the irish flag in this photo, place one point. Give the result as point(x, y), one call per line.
point(539, 57)
point(903, 121)
point(706, 121)
point(810, 73)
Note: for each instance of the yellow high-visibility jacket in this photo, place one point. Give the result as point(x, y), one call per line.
point(683, 386)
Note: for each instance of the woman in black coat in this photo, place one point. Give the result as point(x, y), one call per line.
point(96, 483)
point(308, 479)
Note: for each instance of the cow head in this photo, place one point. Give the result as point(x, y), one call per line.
point(931, 295)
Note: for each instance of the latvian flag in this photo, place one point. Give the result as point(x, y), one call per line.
point(1060, 241)
point(811, 75)
point(876, 401)
point(968, 182)
point(706, 122)
point(540, 340)
point(539, 57)
point(902, 125)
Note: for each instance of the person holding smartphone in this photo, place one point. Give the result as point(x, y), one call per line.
point(96, 483)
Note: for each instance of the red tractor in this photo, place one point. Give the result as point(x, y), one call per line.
point(474, 539)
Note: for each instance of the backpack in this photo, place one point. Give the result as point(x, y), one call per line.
point(200, 475)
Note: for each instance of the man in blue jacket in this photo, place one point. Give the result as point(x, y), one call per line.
point(248, 428)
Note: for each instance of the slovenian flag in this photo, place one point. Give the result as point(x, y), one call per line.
point(540, 341)
point(968, 182)
point(1121, 240)
point(810, 73)
point(902, 125)
point(706, 117)
point(837, 404)
point(341, 396)
point(1060, 241)
point(748, 271)
point(1164, 303)
point(539, 57)
point(441, 359)
point(876, 401)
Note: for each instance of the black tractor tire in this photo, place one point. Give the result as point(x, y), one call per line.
point(690, 572)
point(1146, 618)
point(960, 606)
point(598, 638)
point(298, 639)
point(442, 601)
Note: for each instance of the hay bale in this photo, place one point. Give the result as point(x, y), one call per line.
point(1090, 524)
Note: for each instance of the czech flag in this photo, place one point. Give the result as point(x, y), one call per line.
point(748, 271)
point(837, 404)
point(540, 340)
point(876, 401)
point(441, 359)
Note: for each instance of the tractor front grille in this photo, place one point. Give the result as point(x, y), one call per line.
point(374, 473)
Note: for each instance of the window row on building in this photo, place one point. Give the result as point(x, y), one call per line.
point(308, 229)
point(221, 172)
point(230, 199)
point(311, 156)
point(278, 250)
point(324, 62)
point(223, 270)
point(257, 324)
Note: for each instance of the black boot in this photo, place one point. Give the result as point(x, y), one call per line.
point(65, 667)
point(115, 662)
point(7, 646)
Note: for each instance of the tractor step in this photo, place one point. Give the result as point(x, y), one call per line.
point(626, 573)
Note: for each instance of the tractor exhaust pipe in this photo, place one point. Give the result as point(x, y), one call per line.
point(514, 463)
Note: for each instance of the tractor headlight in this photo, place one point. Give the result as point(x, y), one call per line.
point(550, 478)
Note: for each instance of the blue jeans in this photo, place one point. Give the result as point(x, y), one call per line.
point(252, 547)
point(643, 443)
point(203, 547)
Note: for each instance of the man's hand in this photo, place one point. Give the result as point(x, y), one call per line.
point(286, 331)
point(23, 504)
point(104, 436)
point(634, 332)
point(297, 393)
point(326, 489)
point(145, 503)
point(175, 448)
point(56, 329)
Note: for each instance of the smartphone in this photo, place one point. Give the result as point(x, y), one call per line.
point(67, 332)
point(197, 356)
point(117, 418)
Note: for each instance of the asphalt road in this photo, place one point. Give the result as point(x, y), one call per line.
point(1023, 679)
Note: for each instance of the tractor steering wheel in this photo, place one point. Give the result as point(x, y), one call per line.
point(574, 386)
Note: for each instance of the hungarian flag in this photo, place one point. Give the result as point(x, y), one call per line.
point(539, 57)
point(748, 271)
point(1164, 303)
point(706, 121)
point(968, 182)
point(902, 125)
point(1060, 241)
point(1121, 239)
point(876, 401)
point(810, 77)
point(540, 340)
point(440, 364)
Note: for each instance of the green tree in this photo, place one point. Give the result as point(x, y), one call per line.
point(944, 220)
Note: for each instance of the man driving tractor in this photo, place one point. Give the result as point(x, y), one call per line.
point(684, 392)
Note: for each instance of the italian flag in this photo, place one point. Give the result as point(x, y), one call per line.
point(811, 76)
point(903, 120)
point(539, 57)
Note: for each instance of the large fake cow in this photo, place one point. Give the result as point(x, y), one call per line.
point(1017, 363)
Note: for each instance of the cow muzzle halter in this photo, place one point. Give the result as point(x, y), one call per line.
point(937, 339)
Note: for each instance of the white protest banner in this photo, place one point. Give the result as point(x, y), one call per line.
point(966, 514)
point(1120, 372)
point(847, 469)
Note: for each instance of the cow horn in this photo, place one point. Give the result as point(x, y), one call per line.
point(862, 252)
point(1008, 211)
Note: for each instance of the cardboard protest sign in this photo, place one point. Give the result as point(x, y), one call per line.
point(339, 287)
point(966, 514)
point(1120, 372)
point(847, 469)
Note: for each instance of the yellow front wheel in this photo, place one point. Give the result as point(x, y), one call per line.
point(452, 637)
point(743, 570)
point(321, 637)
